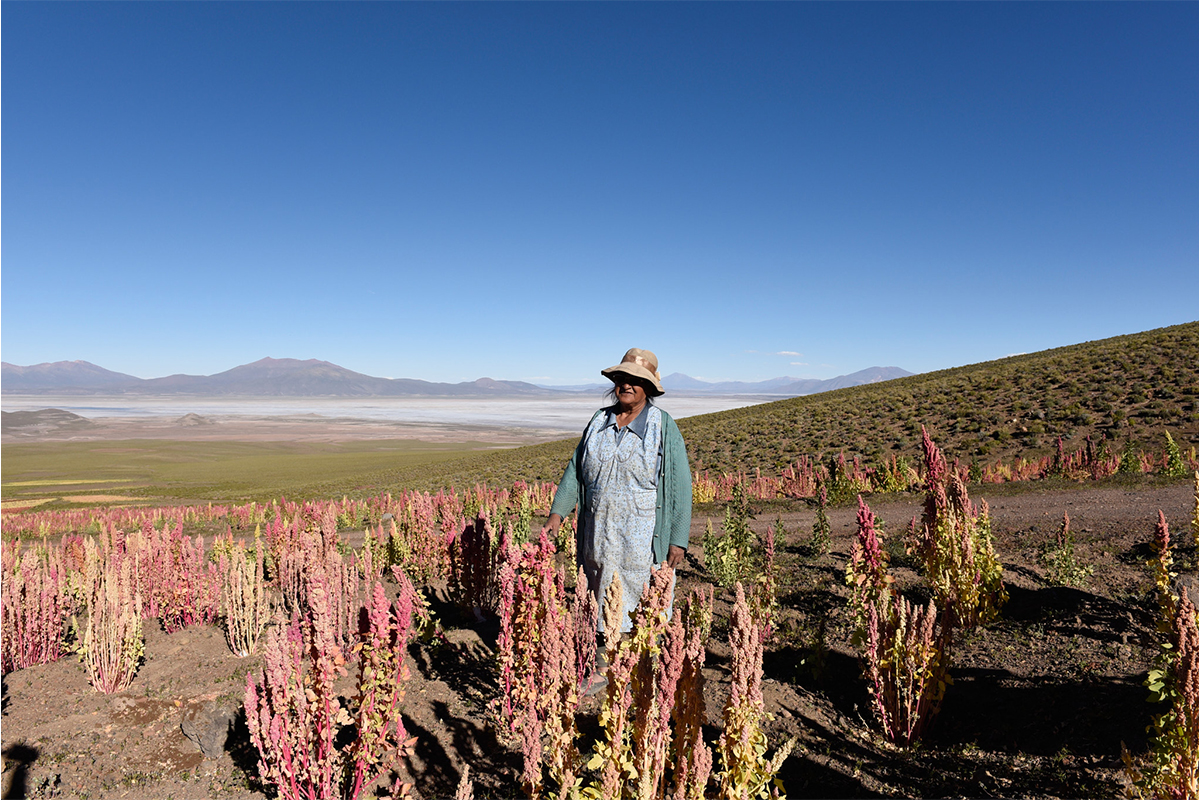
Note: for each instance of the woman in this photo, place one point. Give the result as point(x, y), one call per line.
point(631, 480)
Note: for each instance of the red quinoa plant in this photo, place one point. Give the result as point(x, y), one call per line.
point(906, 649)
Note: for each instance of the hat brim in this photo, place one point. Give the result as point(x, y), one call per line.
point(635, 371)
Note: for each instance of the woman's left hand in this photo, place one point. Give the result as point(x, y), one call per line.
point(675, 556)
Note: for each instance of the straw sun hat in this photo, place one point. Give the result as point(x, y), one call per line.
point(638, 363)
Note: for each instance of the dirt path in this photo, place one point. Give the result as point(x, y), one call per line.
point(1040, 704)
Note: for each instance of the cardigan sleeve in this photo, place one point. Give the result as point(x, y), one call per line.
point(673, 517)
point(569, 492)
point(566, 496)
point(681, 482)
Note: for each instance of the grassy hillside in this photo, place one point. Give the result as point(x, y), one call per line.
point(1128, 388)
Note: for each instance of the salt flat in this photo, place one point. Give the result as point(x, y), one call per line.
point(499, 421)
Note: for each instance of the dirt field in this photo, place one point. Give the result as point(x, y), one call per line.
point(1040, 704)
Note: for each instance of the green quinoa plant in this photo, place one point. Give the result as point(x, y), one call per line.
point(1170, 768)
point(820, 542)
point(730, 558)
point(1063, 567)
point(1175, 466)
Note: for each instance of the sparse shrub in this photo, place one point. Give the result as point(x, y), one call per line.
point(1064, 568)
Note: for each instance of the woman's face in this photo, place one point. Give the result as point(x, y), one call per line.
point(631, 392)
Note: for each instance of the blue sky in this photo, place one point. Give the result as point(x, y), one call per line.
point(524, 190)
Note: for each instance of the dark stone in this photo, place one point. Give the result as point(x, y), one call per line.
point(208, 727)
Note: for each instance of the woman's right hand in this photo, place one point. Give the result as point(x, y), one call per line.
point(550, 529)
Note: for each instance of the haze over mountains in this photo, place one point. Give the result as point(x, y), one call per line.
point(289, 377)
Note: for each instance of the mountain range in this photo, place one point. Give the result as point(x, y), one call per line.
point(290, 377)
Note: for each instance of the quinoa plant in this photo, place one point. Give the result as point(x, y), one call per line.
point(906, 658)
point(1170, 769)
point(112, 645)
point(643, 674)
point(745, 770)
point(541, 671)
point(474, 565)
point(866, 572)
point(295, 716)
point(1129, 464)
point(245, 597)
point(820, 542)
point(1064, 568)
point(730, 558)
point(693, 758)
point(1175, 467)
point(33, 607)
point(955, 543)
point(763, 593)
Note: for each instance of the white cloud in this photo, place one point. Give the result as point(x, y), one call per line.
point(788, 353)
point(798, 364)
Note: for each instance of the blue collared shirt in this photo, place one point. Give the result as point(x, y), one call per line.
point(638, 427)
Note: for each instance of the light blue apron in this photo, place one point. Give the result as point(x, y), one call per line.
point(620, 473)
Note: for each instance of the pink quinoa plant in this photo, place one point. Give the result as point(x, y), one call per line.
point(955, 543)
point(694, 758)
point(539, 662)
point(293, 711)
point(745, 770)
point(33, 607)
point(867, 570)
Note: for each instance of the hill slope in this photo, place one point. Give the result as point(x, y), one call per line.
point(1127, 388)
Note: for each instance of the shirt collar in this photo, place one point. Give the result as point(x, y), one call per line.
point(638, 425)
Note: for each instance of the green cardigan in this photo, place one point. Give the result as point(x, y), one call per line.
point(673, 513)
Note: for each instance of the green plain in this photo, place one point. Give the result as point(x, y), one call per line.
point(182, 471)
